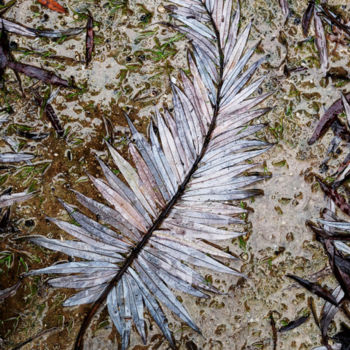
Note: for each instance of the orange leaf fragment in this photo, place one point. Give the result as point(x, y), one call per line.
point(53, 5)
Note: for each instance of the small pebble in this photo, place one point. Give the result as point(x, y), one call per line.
point(29, 223)
point(161, 9)
point(13, 45)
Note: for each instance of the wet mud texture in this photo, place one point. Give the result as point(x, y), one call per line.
point(134, 56)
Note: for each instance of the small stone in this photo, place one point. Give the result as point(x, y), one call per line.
point(244, 256)
point(290, 237)
point(161, 9)
point(13, 45)
point(29, 223)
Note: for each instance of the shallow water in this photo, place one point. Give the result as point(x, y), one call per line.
point(126, 74)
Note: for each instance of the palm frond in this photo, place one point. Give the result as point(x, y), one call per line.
point(180, 196)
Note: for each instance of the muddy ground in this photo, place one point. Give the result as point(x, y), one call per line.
point(134, 57)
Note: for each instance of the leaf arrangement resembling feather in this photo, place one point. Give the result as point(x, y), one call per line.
point(180, 196)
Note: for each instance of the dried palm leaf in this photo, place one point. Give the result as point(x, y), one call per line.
point(329, 311)
point(8, 292)
point(285, 7)
point(316, 10)
point(180, 196)
point(334, 233)
point(7, 198)
point(307, 17)
point(321, 42)
point(329, 347)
